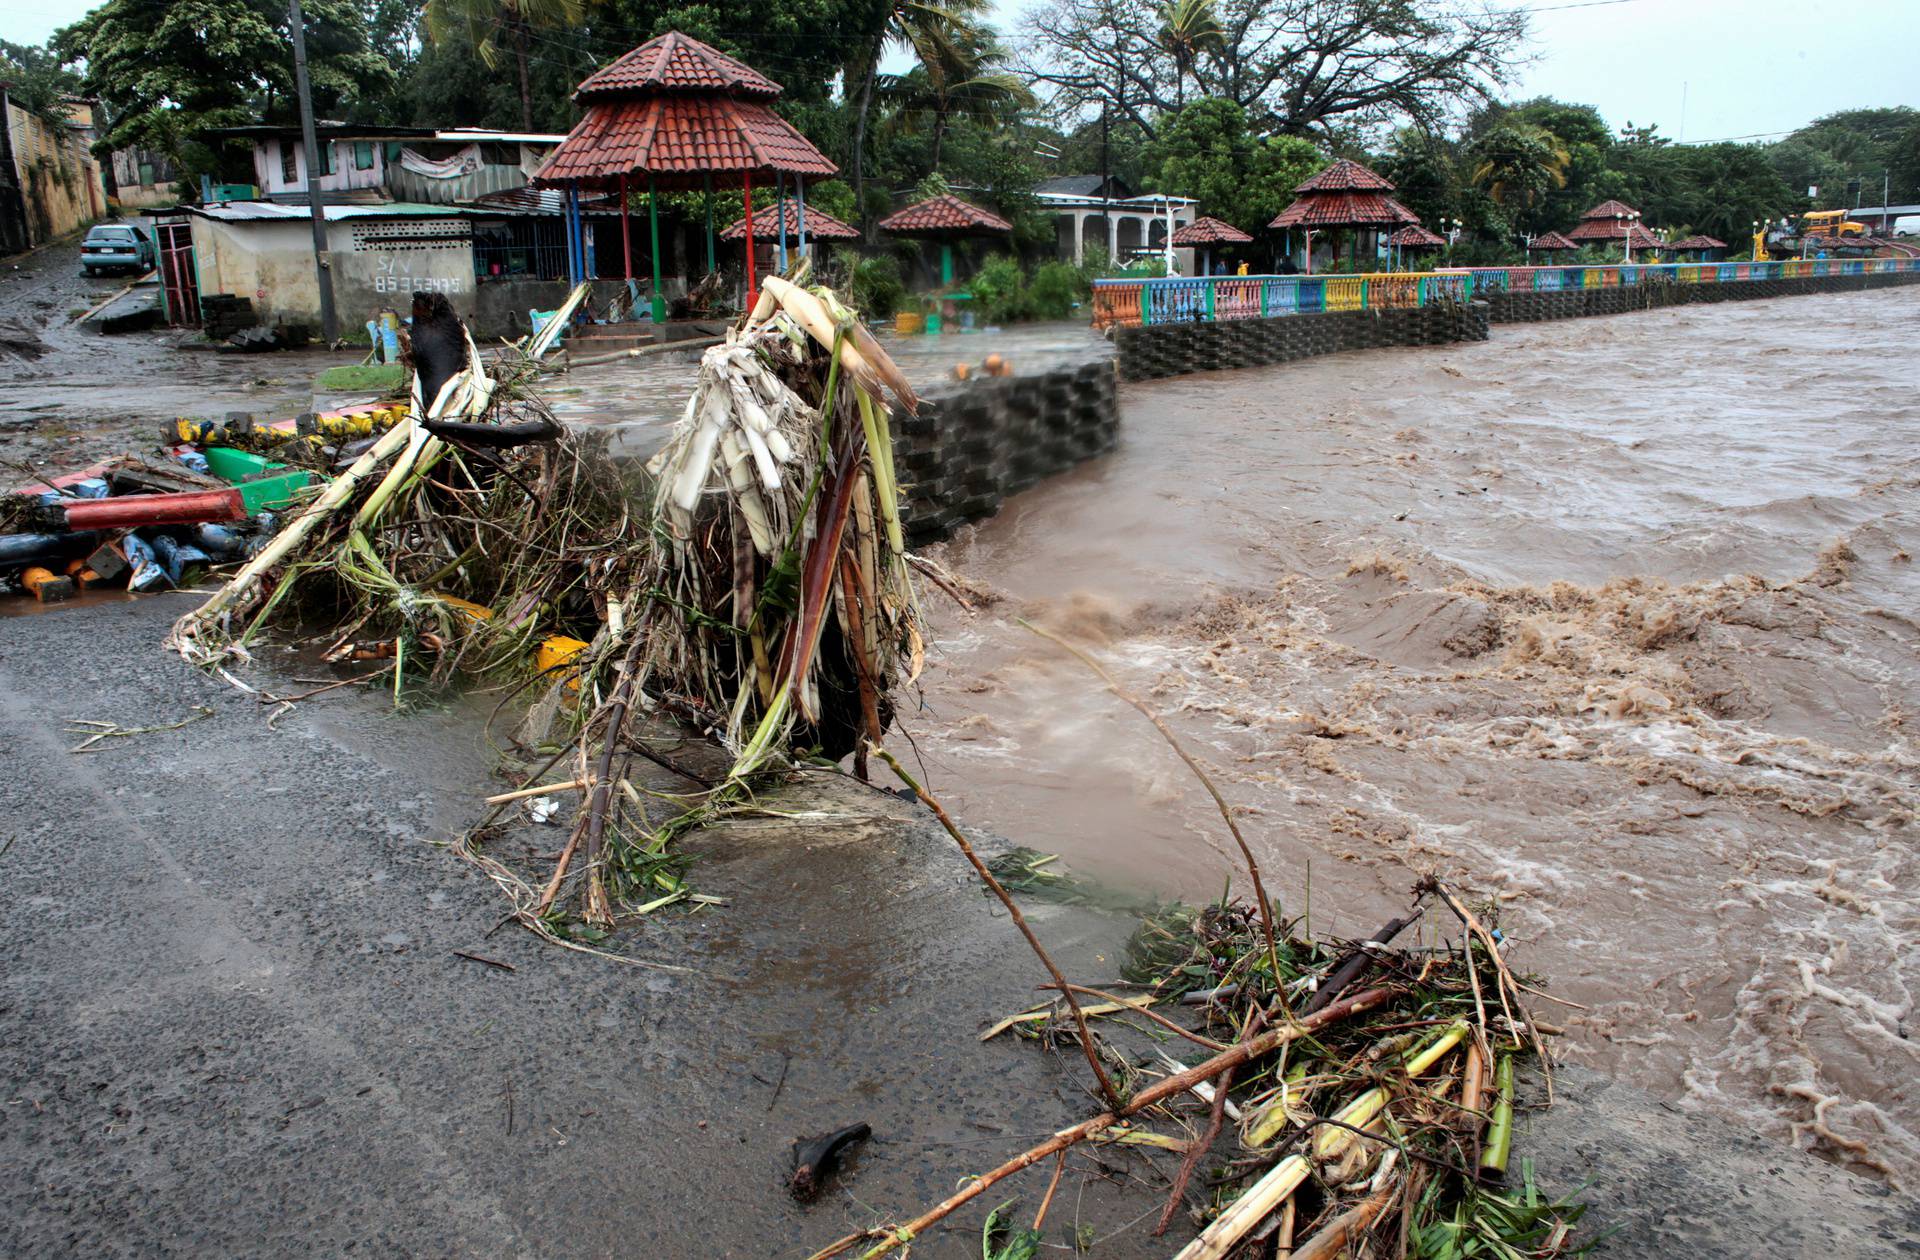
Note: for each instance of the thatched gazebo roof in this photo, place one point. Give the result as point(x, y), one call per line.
point(766, 223)
point(1209, 231)
point(1346, 194)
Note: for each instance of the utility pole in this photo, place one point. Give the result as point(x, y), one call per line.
point(322, 268)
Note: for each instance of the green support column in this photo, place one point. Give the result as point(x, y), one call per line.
point(1209, 283)
point(707, 178)
point(946, 263)
point(653, 225)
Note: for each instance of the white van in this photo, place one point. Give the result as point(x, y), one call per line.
point(1907, 225)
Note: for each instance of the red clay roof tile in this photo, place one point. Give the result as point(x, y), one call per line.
point(679, 139)
point(943, 215)
point(1416, 237)
point(1344, 209)
point(675, 63)
point(766, 223)
point(1346, 175)
point(1208, 231)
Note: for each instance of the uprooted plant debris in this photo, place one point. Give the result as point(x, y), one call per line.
point(1326, 1099)
point(761, 595)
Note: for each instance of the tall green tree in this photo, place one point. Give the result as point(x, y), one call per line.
point(1516, 163)
point(967, 79)
point(36, 80)
point(487, 24)
point(1188, 28)
point(167, 71)
point(935, 34)
point(1210, 152)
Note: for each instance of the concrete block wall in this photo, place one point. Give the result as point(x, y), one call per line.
point(1153, 351)
point(1527, 307)
point(979, 440)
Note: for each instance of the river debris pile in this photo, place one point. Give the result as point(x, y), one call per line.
point(459, 542)
point(756, 589)
point(1333, 1099)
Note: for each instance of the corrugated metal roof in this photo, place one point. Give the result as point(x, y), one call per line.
point(1344, 209)
point(766, 223)
point(942, 216)
point(678, 138)
point(1209, 231)
point(675, 63)
point(274, 212)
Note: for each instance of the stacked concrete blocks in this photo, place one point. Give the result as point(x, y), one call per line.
point(979, 440)
point(1155, 351)
point(1525, 307)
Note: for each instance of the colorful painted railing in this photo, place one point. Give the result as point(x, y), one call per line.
point(1205, 299)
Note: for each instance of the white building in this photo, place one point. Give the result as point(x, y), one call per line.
point(1091, 210)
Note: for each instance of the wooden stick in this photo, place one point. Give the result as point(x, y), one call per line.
point(1327, 1244)
point(1226, 812)
point(1283, 1240)
point(1196, 1152)
point(1107, 1091)
point(1040, 1217)
point(1152, 1095)
point(542, 790)
point(1136, 1005)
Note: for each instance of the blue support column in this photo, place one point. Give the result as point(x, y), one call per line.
point(800, 211)
point(780, 213)
point(572, 222)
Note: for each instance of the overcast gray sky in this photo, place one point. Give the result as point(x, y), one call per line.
point(1742, 68)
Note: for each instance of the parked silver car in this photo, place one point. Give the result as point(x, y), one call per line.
point(117, 247)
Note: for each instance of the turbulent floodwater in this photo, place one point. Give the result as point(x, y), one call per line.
point(1616, 621)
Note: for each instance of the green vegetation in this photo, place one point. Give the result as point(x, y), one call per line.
point(363, 378)
point(1192, 97)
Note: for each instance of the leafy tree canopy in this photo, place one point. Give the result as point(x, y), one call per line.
point(1209, 152)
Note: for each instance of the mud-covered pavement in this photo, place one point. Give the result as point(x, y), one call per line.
point(1613, 620)
point(69, 395)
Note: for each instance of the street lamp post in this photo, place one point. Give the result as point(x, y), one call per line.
point(1631, 219)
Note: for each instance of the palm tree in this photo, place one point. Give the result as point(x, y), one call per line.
point(1188, 28)
point(965, 78)
point(482, 23)
point(932, 31)
point(1516, 163)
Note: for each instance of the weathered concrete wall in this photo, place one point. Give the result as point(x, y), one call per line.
point(377, 263)
point(977, 441)
point(1527, 307)
point(1175, 349)
point(58, 178)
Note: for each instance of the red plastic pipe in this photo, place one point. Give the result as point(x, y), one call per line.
point(134, 511)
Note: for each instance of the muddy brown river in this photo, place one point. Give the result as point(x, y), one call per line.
point(1614, 621)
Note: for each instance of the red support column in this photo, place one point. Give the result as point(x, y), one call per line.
point(626, 232)
point(750, 284)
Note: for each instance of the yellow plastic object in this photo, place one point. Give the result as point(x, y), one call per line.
point(908, 323)
point(478, 612)
point(555, 651)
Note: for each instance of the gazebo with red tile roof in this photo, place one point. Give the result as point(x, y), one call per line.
point(820, 225)
point(1345, 195)
point(1605, 222)
point(945, 218)
point(679, 112)
point(1696, 244)
point(1552, 243)
point(1206, 232)
point(1415, 237)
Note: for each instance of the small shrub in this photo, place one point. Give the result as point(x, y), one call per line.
point(1055, 290)
point(999, 291)
point(878, 289)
